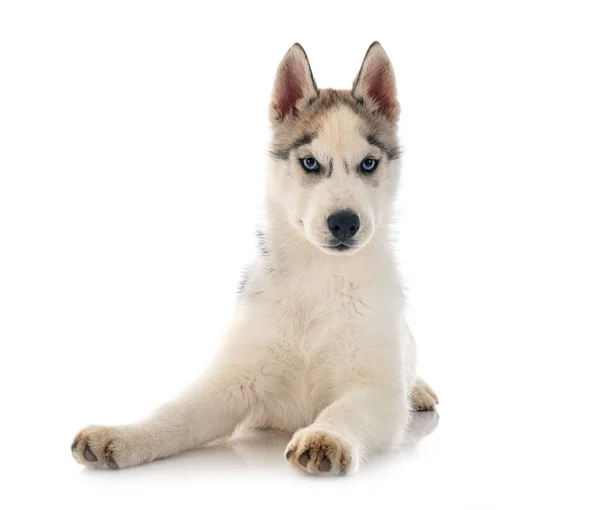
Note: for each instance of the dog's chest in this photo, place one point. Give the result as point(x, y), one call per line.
point(325, 306)
point(323, 323)
point(320, 328)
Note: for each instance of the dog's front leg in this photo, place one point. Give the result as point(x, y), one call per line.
point(361, 421)
point(209, 410)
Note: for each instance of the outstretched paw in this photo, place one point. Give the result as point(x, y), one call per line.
point(319, 453)
point(103, 448)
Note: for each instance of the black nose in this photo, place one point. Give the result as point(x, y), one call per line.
point(343, 224)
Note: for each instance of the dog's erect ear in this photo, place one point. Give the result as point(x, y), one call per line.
point(294, 85)
point(376, 82)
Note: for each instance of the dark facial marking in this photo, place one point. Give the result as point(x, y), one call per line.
point(287, 135)
point(284, 153)
point(347, 167)
point(304, 140)
point(329, 169)
point(370, 178)
point(391, 153)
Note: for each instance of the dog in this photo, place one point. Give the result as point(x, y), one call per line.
point(318, 345)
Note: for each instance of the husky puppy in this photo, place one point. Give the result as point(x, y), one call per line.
point(318, 345)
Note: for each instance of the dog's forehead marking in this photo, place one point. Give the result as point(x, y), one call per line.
point(336, 114)
point(343, 140)
point(340, 132)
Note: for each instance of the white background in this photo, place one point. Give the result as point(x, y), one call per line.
point(133, 141)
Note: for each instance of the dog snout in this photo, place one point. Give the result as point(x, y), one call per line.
point(343, 224)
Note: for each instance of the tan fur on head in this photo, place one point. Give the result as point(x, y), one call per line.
point(339, 129)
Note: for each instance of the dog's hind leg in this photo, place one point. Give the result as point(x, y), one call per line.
point(208, 411)
point(422, 397)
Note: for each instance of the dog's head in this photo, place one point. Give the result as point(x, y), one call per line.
point(336, 152)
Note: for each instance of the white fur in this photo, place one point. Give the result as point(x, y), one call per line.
point(318, 345)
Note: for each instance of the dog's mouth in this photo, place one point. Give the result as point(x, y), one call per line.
point(340, 247)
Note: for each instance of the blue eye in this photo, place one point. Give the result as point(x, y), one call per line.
point(310, 164)
point(368, 165)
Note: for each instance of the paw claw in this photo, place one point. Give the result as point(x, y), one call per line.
point(112, 463)
point(304, 459)
point(325, 464)
point(89, 455)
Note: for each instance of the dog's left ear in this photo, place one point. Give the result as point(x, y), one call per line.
point(294, 85)
point(376, 82)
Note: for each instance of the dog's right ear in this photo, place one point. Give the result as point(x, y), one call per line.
point(294, 85)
